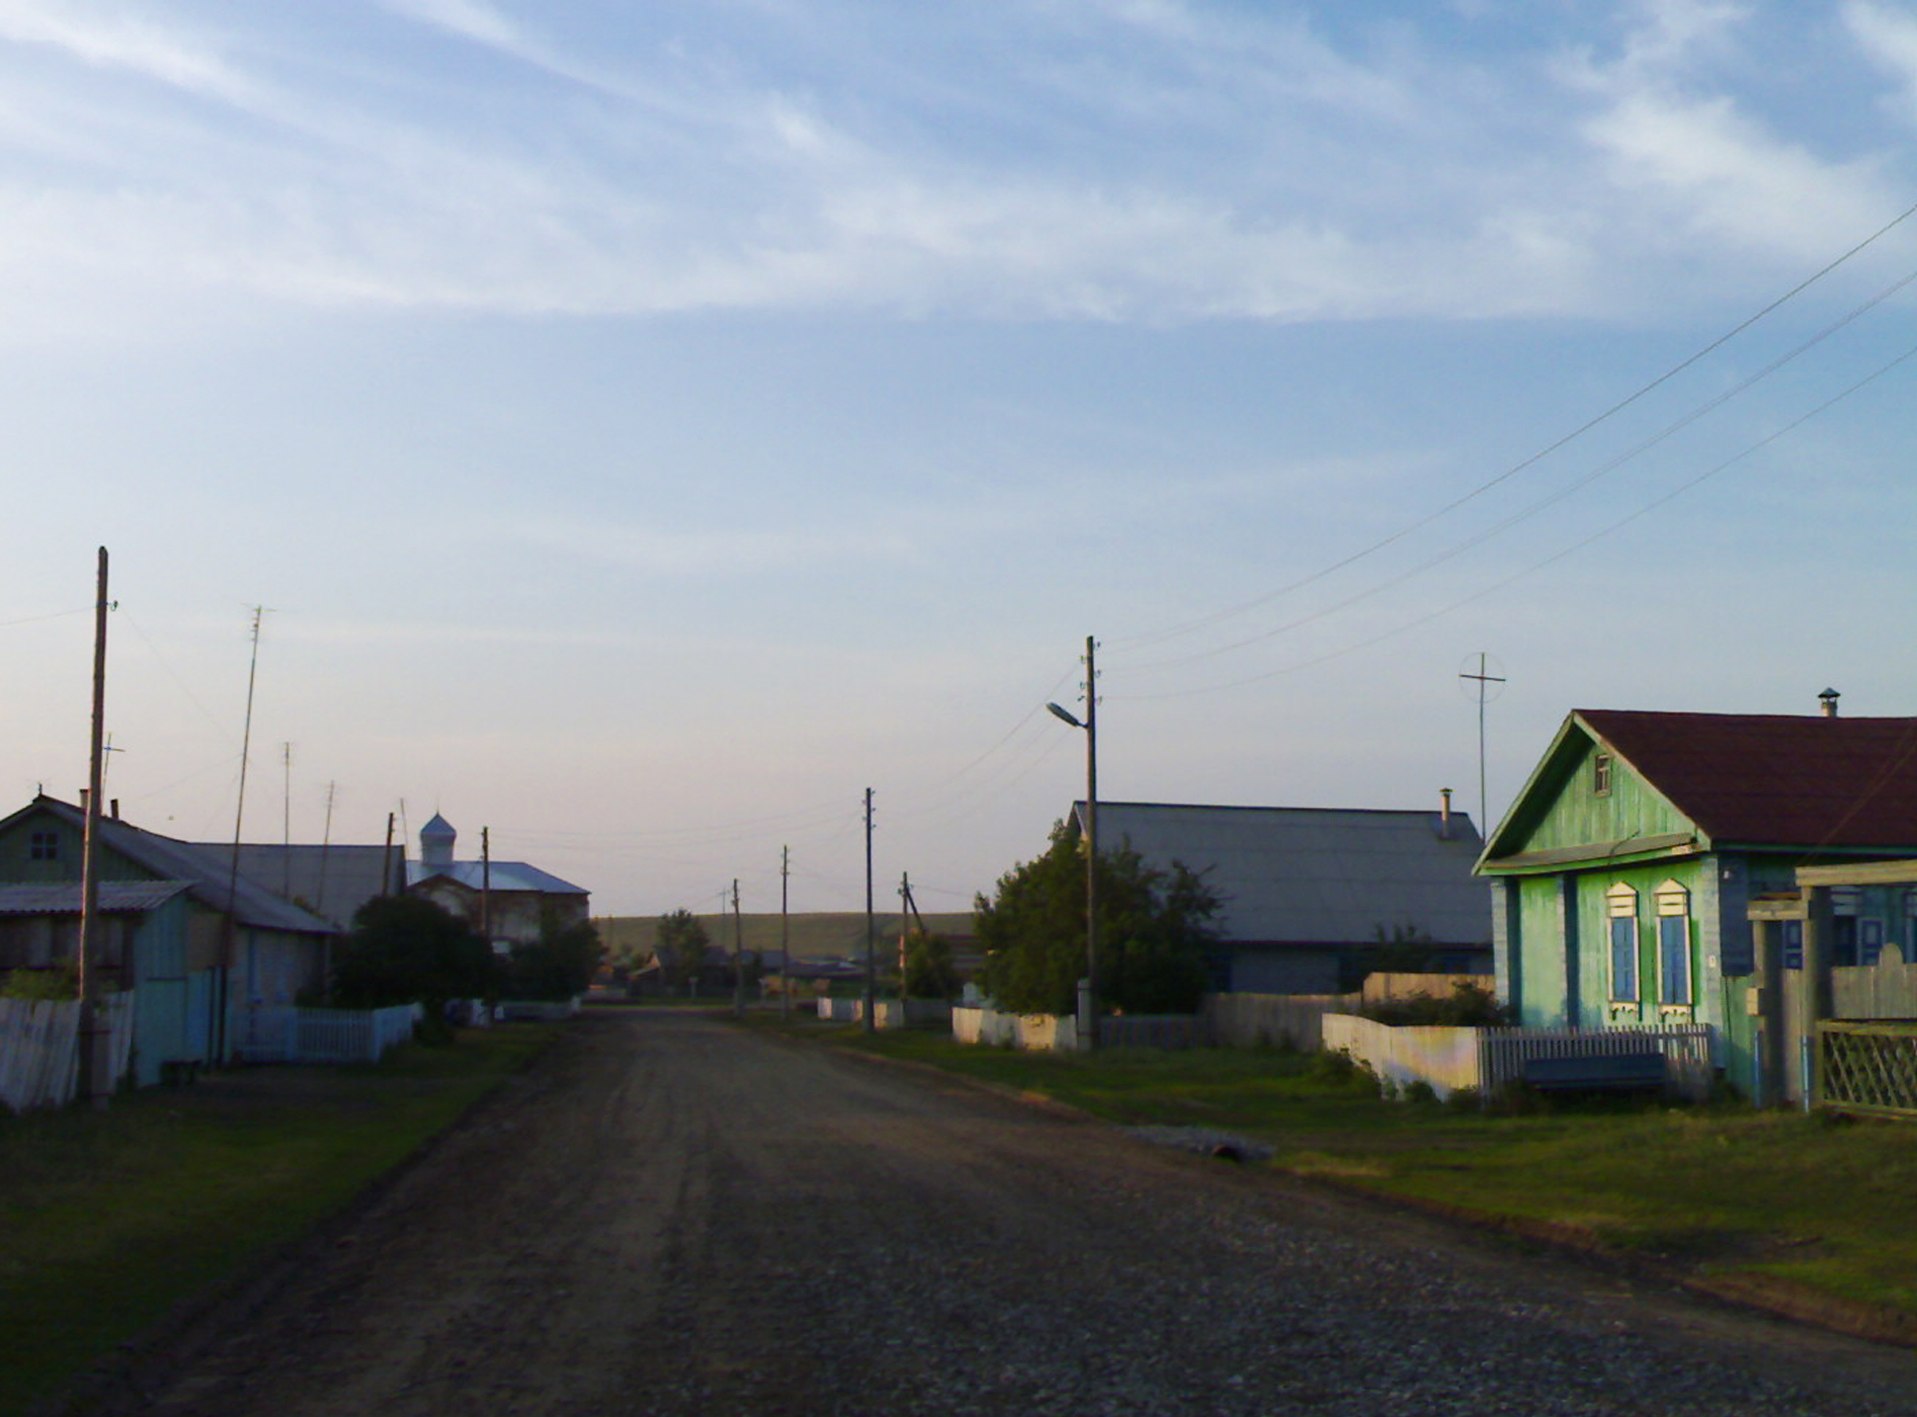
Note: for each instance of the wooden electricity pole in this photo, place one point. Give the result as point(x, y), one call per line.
point(785, 937)
point(870, 964)
point(738, 955)
point(486, 885)
point(386, 860)
point(94, 1082)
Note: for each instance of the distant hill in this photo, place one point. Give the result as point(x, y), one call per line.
point(823, 935)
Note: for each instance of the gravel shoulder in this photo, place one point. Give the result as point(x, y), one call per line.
point(669, 1215)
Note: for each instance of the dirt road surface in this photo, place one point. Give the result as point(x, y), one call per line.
point(669, 1215)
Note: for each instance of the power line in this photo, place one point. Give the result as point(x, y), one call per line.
point(1188, 627)
point(1598, 535)
point(1602, 470)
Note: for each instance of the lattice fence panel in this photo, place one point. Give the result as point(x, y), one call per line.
point(1865, 1067)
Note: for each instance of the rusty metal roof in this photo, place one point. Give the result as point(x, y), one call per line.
point(1776, 779)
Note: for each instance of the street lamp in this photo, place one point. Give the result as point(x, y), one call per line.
point(1090, 724)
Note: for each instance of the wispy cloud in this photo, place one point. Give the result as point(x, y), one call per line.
point(1144, 160)
point(113, 38)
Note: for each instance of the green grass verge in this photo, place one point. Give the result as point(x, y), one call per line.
point(1826, 1206)
point(111, 1218)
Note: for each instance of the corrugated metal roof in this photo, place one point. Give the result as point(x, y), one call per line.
point(1776, 779)
point(63, 897)
point(1315, 875)
point(333, 881)
point(506, 876)
point(201, 867)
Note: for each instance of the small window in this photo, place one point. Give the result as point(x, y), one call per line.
point(1792, 933)
point(1620, 904)
point(43, 846)
point(1601, 774)
point(1673, 944)
point(1674, 959)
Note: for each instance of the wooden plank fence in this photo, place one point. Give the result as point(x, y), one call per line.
point(40, 1048)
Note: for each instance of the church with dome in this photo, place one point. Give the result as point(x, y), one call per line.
point(510, 902)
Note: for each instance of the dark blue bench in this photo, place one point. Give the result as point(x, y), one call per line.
point(1607, 1072)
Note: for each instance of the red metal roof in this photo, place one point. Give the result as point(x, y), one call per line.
point(1777, 779)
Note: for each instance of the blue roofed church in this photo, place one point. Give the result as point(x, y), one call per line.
point(510, 902)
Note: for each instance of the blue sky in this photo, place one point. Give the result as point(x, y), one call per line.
point(649, 426)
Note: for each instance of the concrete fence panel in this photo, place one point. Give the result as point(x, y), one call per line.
point(1030, 1032)
point(1444, 1058)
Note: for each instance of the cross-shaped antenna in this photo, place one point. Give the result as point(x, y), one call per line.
point(1484, 679)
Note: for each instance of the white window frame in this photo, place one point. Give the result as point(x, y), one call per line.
point(1672, 901)
point(1620, 903)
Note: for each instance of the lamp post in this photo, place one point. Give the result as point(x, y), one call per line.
point(1090, 724)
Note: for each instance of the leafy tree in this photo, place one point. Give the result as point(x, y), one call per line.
point(561, 965)
point(929, 973)
point(406, 949)
point(1153, 929)
point(680, 946)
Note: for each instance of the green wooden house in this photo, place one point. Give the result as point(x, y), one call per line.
point(199, 947)
point(1623, 875)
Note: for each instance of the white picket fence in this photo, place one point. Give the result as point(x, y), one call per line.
point(294, 1035)
point(40, 1048)
point(1503, 1052)
point(1490, 1059)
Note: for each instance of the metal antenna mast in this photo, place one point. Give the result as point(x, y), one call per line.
point(1484, 679)
point(233, 871)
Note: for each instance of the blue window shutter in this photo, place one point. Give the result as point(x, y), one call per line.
point(1623, 957)
point(1793, 944)
point(1674, 952)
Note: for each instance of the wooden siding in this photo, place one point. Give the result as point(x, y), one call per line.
point(1575, 816)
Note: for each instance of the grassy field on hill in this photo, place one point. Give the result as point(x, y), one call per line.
point(814, 935)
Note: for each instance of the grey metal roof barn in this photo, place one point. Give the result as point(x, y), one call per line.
point(1307, 890)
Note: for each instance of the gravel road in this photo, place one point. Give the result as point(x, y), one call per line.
point(671, 1216)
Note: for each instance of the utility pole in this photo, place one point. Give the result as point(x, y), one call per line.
point(905, 901)
point(286, 822)
point(738, 955)
point(326, 847)
point(94, 1082)
point(386, 860)
point(486, 885)
point(1091, 836)
point(1088, 1001)
point(230, 940)
point(870, 980)
point(785, 937)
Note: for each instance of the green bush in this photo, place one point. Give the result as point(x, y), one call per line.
point(1469, 1006)
point(41, 984)
point(1420, 1091)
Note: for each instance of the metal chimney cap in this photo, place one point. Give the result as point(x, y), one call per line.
point(1828, 699)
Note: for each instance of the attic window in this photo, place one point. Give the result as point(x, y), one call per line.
point(43, 846)
point(1601, 775)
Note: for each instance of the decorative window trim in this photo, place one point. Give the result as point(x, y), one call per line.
point(1622, 945)
point(1676, 987)
point(1600, 774)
